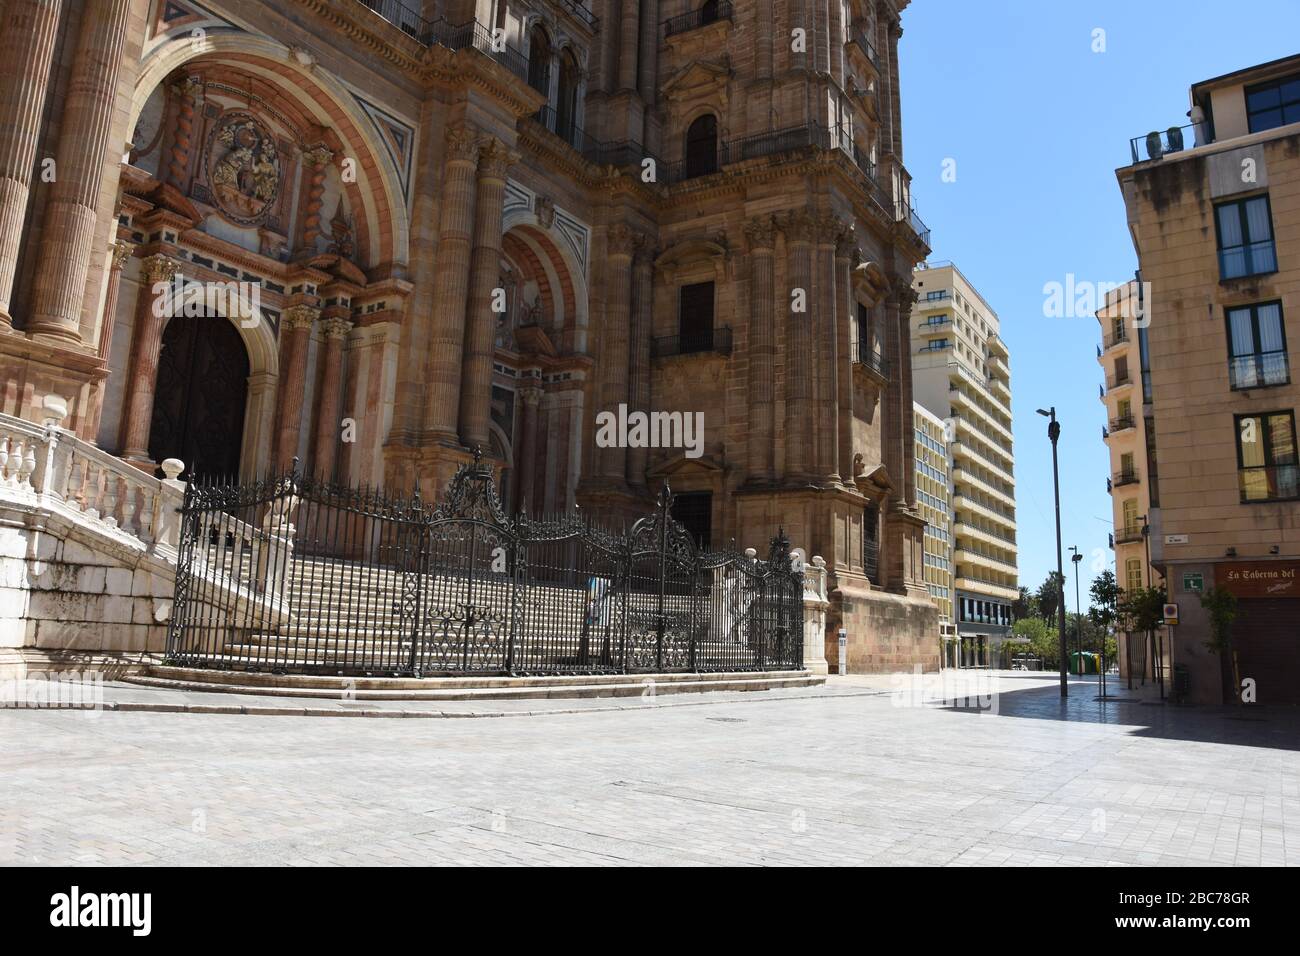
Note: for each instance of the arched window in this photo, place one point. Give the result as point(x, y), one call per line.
point(539, 61)
point(566, 109)
point(702, 146)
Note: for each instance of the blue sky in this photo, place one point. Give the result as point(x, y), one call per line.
point(1037, 123)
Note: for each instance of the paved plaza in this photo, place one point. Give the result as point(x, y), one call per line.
point(861, 771)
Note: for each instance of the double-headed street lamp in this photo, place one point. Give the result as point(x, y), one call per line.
point(1054, 433)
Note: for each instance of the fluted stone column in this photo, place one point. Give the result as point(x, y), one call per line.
point(187, 90)
point(906, 299)
point(485, 272)
point(821, 35)
point(627, 53)
point(844, 251)
point(83, 146)
point(151, 315)
point(642, 324)
point(328, 423)
point(890, 402)
point(121, 252)
point(27, 34)
point(799, 426)
point(766, 28)
point(526, 463)
point(619, 244)
point(827, 365)
point(451, 282)
point(649, 53)
point(761, 234)
point(295, 330)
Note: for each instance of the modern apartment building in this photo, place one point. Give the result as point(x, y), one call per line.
point(934, 501)
point(1129, 435)
point(960, 373)
point(1214, 213)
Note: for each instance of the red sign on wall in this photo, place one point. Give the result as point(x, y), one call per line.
point(1271, 579)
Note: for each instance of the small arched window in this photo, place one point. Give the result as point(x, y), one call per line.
point(539, 61)
point(566, 108)
point(709, 12)
point(702, 146)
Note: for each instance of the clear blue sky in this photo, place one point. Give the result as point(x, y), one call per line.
point(1037, 123)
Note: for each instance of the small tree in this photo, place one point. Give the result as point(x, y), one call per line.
point(1222, 605)
point(1104, 611)
point(1025, 605)
point(1042, 639)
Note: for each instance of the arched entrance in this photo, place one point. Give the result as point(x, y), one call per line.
point(200, 397)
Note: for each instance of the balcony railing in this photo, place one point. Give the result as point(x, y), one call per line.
point(693, 343)
point(1270, 483)
point(1156, 144)
point(1115, 338)
point(869, 358)
point(1123, 478)
point(707, 13)
point(1128, 534)
point(861, 41)
point(1118, 381)
point(1259, 370)
point(918, 225)
point(401, 16)
point(581, 12)
point(1122, 422)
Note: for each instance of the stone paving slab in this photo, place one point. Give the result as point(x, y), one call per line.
point(861, 771)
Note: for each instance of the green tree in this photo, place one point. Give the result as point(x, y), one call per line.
point(1048, 598)
point(1103, 611)
point(1024, 606)
point(1042, 640)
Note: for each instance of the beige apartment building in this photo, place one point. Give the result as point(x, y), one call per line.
point(1129, 435)
point(1214, 212)
point(960, 373)
point(934, 501)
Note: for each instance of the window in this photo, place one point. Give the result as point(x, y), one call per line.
point(1131, 525)
point(1275, 104)
point(871, 542)
point(1133, 574)
point(1257, 346)
point(937, 345)
point(695, 318)
point(539, 61)
point(1245, 235)
point(566, 108)
point(1266, 456)
point(1121, 370)
point(709, 12)
point(702, 146)
point(694, 512)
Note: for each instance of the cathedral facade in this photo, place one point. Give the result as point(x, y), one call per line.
point(609, 244)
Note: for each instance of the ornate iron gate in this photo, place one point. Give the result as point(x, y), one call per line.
point(296, 575)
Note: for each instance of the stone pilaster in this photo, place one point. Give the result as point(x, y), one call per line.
point(642, 325)
point(187, 90)
point(295, 334)
point(152, 311)
point(620, 242)
point(27, 33)
point(799, 427)
point(121, 252)
point(451, 282)
point(480, 320)
point(844, 250)
point(761, 234)
point(629, 30)
point(328, 423)
point(647, 59)
point(826, 365)
point(83, 147)
point(526, 464)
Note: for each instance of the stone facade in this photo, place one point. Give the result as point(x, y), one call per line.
point(372, 242)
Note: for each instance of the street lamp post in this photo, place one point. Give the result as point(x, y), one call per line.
point(1054, 434)
point(1075, 558)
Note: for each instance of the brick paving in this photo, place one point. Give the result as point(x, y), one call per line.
point(842, 774)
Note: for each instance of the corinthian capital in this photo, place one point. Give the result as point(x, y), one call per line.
point(120, 251)
point(761, 233)
point(298, 317)
point(620, 240)
point(494, 158)
point(160, 269)
point(462, 145)
point(336, 328)
point(798, 226)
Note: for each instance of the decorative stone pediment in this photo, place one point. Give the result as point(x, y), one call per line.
point(699, 79)
point(684, 254)
point(872, 477)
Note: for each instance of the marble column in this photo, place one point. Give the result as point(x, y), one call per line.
point(152, 311)
point(620, 241)
point(83, 147)
point(451, 282)
point(485, 275)
point(827, 364)
point(317, 160)
point(187, 90)
point(799, 425)
point(761, 235)
point(642, 324)
point(329, 427)
point(844, 253)
point(295, 334)
point(27, 33)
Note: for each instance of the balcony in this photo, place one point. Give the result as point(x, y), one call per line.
point(706, 14)
point(697, 342)
point(860, 40)
point(1123, 478)
point(1129, 534)
point(936, 326)
point(965, 554)
point(986, 485)
point(1119, 337)
point(1122, 423)
point(982, 508)
point(997, 540)
point(1259, 370)
point(1157, 145)
point(918, 225)
point(1120, 380)
point(940, 295)
point(871, 360)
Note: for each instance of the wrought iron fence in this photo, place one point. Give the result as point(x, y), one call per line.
point(295, 575)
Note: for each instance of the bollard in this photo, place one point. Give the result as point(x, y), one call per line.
point(844, 652)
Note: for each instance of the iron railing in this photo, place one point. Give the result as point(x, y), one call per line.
point(1156, 144)
point(859, 38)
point(1125, 478)
point(1259, 370)
point(869, 358)
point(701, 340)
point(296, 575)
point(706, 13)
point(1122, 422)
